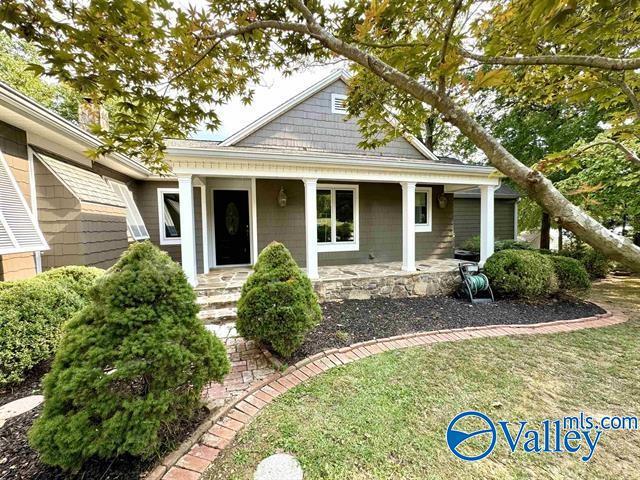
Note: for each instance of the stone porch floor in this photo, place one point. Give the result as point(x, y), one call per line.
point(235, 277)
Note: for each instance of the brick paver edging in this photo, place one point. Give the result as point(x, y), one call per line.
point(198, 452)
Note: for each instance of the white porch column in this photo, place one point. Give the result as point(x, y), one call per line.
point(205, 227)
point(486, 222)
point(408, 226)
point(187, 228)
point(311, 228)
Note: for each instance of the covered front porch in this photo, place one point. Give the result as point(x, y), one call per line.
point(339, 216)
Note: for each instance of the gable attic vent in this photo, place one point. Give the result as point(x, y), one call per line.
point(338, 104)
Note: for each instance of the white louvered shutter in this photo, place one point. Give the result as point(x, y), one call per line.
point(19, 232)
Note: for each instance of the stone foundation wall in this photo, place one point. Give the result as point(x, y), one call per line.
point(389, 286)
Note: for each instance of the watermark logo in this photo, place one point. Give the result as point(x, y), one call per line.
point(472, 435)
point(467, 426)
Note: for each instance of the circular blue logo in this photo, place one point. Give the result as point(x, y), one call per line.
point(457, 437)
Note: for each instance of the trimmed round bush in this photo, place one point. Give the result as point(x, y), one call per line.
point(32, 315)
point(511, 245)
point(278, 305)
point(571, 274)
point(74, 277)
point(132, 362)
point(595, 262)
point(521, 274)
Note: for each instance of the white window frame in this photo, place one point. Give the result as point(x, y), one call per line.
point(338, 97)
point(426, 227)
point(127, 198)
point(163, 239)
point(335, 246)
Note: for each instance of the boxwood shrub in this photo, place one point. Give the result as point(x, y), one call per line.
point(32, 315)
point(131, 363)
point(594, 261)
point(521, 274)
point(571, 274)
point(74, 277)
point(278, 305)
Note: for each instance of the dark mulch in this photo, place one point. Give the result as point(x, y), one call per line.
point(19, 461)
point(353, 321)
point(31, 385)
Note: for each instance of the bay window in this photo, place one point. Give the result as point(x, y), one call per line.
point(337, 218)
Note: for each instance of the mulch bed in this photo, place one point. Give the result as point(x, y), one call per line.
point(19, 461)
point(353, 321)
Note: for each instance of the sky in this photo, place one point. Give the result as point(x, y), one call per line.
point(273, 90)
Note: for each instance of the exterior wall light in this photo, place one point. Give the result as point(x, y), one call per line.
point(282, 198)
point(442, 200)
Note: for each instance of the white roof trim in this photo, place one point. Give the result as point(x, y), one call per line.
point(32, 110)
point(283, 108)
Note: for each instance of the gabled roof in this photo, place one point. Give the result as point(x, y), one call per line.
point(306, 94)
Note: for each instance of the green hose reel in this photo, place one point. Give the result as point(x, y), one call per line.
point(475, 285)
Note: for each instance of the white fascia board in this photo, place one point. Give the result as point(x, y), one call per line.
point(32, 111)
point(283, 108)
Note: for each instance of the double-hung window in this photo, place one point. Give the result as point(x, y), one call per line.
point(337, 217)
point(169, 213)
point(135, 224)
point(424, 209)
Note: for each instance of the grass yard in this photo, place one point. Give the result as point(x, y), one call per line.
point(386, 416)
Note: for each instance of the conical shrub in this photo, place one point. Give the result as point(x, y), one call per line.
point(278, 305)
point(131, 363)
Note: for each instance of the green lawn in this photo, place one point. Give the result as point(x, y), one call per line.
point(386, 416)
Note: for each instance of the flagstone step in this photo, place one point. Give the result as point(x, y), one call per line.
point(218, 315)
point(224, 300)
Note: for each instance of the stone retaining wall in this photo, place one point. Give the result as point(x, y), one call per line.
point(402, 285)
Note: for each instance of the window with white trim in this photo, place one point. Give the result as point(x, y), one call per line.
point(337, 218)
point(19, 230)
point(135, 224)
point(424, 209)
point(169, 216)
point(338, 104)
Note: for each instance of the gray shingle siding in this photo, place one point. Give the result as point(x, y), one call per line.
point(380, 224)
point(310, 125)
point(467, 219)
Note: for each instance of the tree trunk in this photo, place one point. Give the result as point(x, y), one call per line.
point(560, 239)
point(429, 127)
point(537, 186)
point(545, 232)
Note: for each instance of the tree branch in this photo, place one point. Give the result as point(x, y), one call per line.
point(605, 63)
point(445, 44)
point(626, 89)
point(631, 156)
